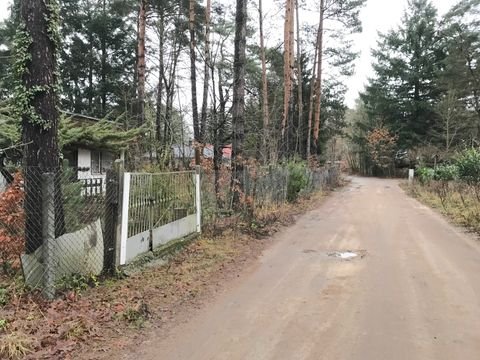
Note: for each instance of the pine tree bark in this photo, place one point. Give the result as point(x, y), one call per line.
point(161, 69)
point(265, 111)
point(40, 118)
point(238, 106)
point(170, 85)
point(142, 19)
point(90, 76)
point(311, 102)
point(217, 141)
point(203, 121)
point(300, 84)
point(287, 65)
point(193, 79)
point(318, 87)
point(103, 74)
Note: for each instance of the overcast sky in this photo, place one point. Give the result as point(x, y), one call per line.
point(378, 15)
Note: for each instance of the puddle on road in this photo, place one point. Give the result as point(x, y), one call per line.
point(342, 255)
point(348, 254)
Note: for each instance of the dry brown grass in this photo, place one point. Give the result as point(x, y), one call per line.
point(459, 202)
point(112, 315)
point(15, 345)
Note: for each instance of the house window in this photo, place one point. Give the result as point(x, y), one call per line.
point(101, 161)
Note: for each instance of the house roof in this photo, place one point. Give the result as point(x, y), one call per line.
point(188, 151)
point(92, 133)
point(86, 118)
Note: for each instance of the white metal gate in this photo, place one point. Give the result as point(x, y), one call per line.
point(156, 209)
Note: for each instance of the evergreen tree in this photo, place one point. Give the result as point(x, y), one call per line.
point(404, 90)
point(97, 59)
point(460, 75)
point(7, 33)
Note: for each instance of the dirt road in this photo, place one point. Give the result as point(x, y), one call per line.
point(412, 293)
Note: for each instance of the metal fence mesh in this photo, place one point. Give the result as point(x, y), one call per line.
point(54, 225)
point(59, 224)
point(262, 185)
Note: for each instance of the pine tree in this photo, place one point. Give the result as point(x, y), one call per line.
point(238, 106)
point(404, 89)
point(339, 56)
point(97, 58)
point(460, 74)
point(36, 46)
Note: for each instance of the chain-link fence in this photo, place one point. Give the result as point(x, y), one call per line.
point(263, 186)
point(57, 225)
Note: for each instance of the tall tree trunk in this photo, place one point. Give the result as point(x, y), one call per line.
point(39, 115)
point(193, 78)
point(287, 67)
point(311, 101)
point(90, 75)
point(299, 145)
point(170, 85)
point(142, 19)
point(318, 88)
point(265, 111)
point(217, 142)
point(103, 46)
point(203, 121)
point(161, 69)
point(238, 105)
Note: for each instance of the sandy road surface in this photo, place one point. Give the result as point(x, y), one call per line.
point(414, 295)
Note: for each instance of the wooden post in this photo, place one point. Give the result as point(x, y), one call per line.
point(125, 196)
point(111, 219)
point(119, 166)
point(198, 197)
point(150, 213)
point(48, 234)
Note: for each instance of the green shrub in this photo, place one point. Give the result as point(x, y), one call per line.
point(446, 172)
point(468, 163)
point(425, 174)
point(76, 282)
point(297, 180)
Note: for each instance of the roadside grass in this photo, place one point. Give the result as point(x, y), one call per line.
point(459, 202)
point(15, 346)
point(96, 319)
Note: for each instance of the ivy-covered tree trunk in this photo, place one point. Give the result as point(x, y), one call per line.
point(36, 46)
point(238, 105)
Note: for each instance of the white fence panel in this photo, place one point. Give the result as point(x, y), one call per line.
point(158, 208)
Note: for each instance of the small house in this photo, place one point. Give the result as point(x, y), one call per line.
point(90, 160)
